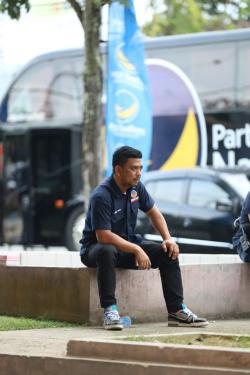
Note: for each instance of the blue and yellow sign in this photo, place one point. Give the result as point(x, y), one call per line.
point(129, 106)
point(179, 128)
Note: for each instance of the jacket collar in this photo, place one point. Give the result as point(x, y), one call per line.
point(111, 184)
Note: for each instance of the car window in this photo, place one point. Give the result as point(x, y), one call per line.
point(169, 190)
point(205, 193)
point(150, 186)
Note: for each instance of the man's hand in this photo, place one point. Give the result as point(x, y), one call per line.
point(142, 260)
point(159, 223)
point(172, 248)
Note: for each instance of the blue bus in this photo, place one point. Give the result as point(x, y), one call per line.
point(201, 116)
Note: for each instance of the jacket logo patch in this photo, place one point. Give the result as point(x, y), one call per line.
point(134, 196)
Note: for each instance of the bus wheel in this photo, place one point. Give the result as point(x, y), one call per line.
point(74, 227)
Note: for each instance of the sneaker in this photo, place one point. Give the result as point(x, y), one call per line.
point(185, 318)
point(112, 320)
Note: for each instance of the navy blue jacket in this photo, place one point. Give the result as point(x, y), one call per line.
point(113, 210)
point(245, 210)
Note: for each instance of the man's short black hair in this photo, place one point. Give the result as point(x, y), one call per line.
point(122, 154)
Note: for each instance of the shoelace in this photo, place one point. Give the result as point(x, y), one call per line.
point(112, 315)
point(189, 313)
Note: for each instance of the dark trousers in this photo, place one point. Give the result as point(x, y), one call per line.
point(107, 257)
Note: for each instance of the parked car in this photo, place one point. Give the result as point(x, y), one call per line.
point(200, 206)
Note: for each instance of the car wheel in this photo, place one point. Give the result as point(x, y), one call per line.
point(74, 227)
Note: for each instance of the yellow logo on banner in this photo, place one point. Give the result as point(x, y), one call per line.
point(126, 106)
point(123, 60)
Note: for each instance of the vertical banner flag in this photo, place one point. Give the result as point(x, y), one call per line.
point(129, 107)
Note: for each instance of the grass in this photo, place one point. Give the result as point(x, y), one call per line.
point(229, 341)
point(10, 323)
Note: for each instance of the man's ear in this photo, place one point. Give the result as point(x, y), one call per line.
point(118, 170)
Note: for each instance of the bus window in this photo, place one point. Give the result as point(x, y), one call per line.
point(213, 74)
point(212, 71)
point(210, 67)
point(48, 90)
point(243, 92)
point(64, 97)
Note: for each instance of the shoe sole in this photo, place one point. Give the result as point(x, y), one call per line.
point(179, 324)
point(115, 327)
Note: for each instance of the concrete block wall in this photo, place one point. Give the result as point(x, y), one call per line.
point(70, 294)
point(212, 291)
point(56, 293)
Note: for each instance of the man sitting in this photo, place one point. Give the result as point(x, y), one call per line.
point(109, 240)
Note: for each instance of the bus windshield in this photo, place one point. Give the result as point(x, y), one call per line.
point(48, 90)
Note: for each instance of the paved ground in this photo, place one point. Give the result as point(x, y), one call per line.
point(53, 342)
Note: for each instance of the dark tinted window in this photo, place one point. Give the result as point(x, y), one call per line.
point(15, 189)
point(1, 160)
point(50, 160)
point(16, 163)
point(207, 194)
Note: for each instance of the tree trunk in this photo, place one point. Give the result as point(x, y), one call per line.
point(92, 117)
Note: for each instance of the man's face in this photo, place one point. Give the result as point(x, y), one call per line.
point(130, 173)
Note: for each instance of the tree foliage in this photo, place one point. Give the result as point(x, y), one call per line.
point(14, 7)
point(186, 16)
point(179, 16)
point(236, 10)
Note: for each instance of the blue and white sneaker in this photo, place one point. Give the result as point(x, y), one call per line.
point(185, 318)
point(112, 320)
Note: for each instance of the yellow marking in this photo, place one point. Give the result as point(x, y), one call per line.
point(124, 60)
point(186, 151)
point(126, 113)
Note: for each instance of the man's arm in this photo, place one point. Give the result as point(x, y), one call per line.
point(107, 237)
point(160, 225)
point(246, 228)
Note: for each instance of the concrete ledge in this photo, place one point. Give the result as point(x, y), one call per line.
point(9, 259)
point(20, 365)
point(61, 257)
point(70, 294)
point(181, 355)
